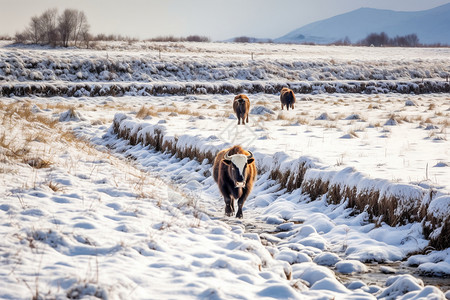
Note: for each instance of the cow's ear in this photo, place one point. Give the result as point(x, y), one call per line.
point(226, 161)
point(250, 160)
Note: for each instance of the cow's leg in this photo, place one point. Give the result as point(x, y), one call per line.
point(292, 105)
point(247, 118)
point(240, 205)
point(287, 106)
point(239, 120)
point(229, 206)
point(282, 106)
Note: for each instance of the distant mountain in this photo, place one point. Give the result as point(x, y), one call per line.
point(431, 26)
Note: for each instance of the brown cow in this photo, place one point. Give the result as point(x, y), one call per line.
point(235, 172)
point(241, 106)
point(287, 98)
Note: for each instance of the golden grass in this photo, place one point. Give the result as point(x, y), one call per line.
point(145, 112)
point(154, 111)
point(37, 162)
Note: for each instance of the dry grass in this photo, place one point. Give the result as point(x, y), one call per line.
point(282, 116)
point(25, 133)
point(53, 186)
point(353, 134)
point(145, 112)
point(181, 111)
point(154, 111)
point(11, 148)
point(37, 162)
point(24, 111)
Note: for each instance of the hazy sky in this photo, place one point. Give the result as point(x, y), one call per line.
point(216, 19)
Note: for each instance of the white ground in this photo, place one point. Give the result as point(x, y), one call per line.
point(114, 228)
point(106, 220)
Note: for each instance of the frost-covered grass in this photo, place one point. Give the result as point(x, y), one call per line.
point(186, 68)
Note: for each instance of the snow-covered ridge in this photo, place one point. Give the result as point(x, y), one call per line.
point(220, 68)
point(384, 201)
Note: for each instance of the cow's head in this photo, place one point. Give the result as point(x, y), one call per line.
point(238, 167)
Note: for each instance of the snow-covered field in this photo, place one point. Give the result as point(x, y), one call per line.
point(86, 214)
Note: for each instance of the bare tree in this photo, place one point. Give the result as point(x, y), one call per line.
point(49, 28)
point(82, 27)
point(412, 40)
point(382, 39)
point(20, 37)
point(67, 24)
point(197, 38)
point(48, 22)
point(242, 39)
point(87, 38)
point(34, 31)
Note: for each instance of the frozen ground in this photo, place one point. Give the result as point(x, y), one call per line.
point(96, 224)
point(86, 215)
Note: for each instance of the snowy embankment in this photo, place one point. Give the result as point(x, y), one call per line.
point(190, 68)
point(383, 201)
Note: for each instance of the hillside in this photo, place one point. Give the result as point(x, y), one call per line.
point(431, 26)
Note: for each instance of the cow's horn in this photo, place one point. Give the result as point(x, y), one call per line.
point(251, 154)
point(227, 157)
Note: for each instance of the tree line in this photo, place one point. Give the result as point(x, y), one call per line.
point(372, 39)
point(382, 39)
point(71, 26)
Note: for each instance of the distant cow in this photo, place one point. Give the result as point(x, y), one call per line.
point(287, 98)
point(241, 106)
point(234, 171)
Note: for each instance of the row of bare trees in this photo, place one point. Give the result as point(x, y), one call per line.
point(70, 27)
point(382, 39)
point(190, 38)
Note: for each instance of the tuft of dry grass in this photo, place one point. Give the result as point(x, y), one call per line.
point(11, 149)
point(37, 162)
point(352, 133)
point(53, 186)
point(145, 112)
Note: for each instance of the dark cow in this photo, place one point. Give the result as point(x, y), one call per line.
point(241, 106)
point(287, 98)
point(235, 172)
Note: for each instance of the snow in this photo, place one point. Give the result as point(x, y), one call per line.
point(113, 218)
point(350, 266)
point(327, 259)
